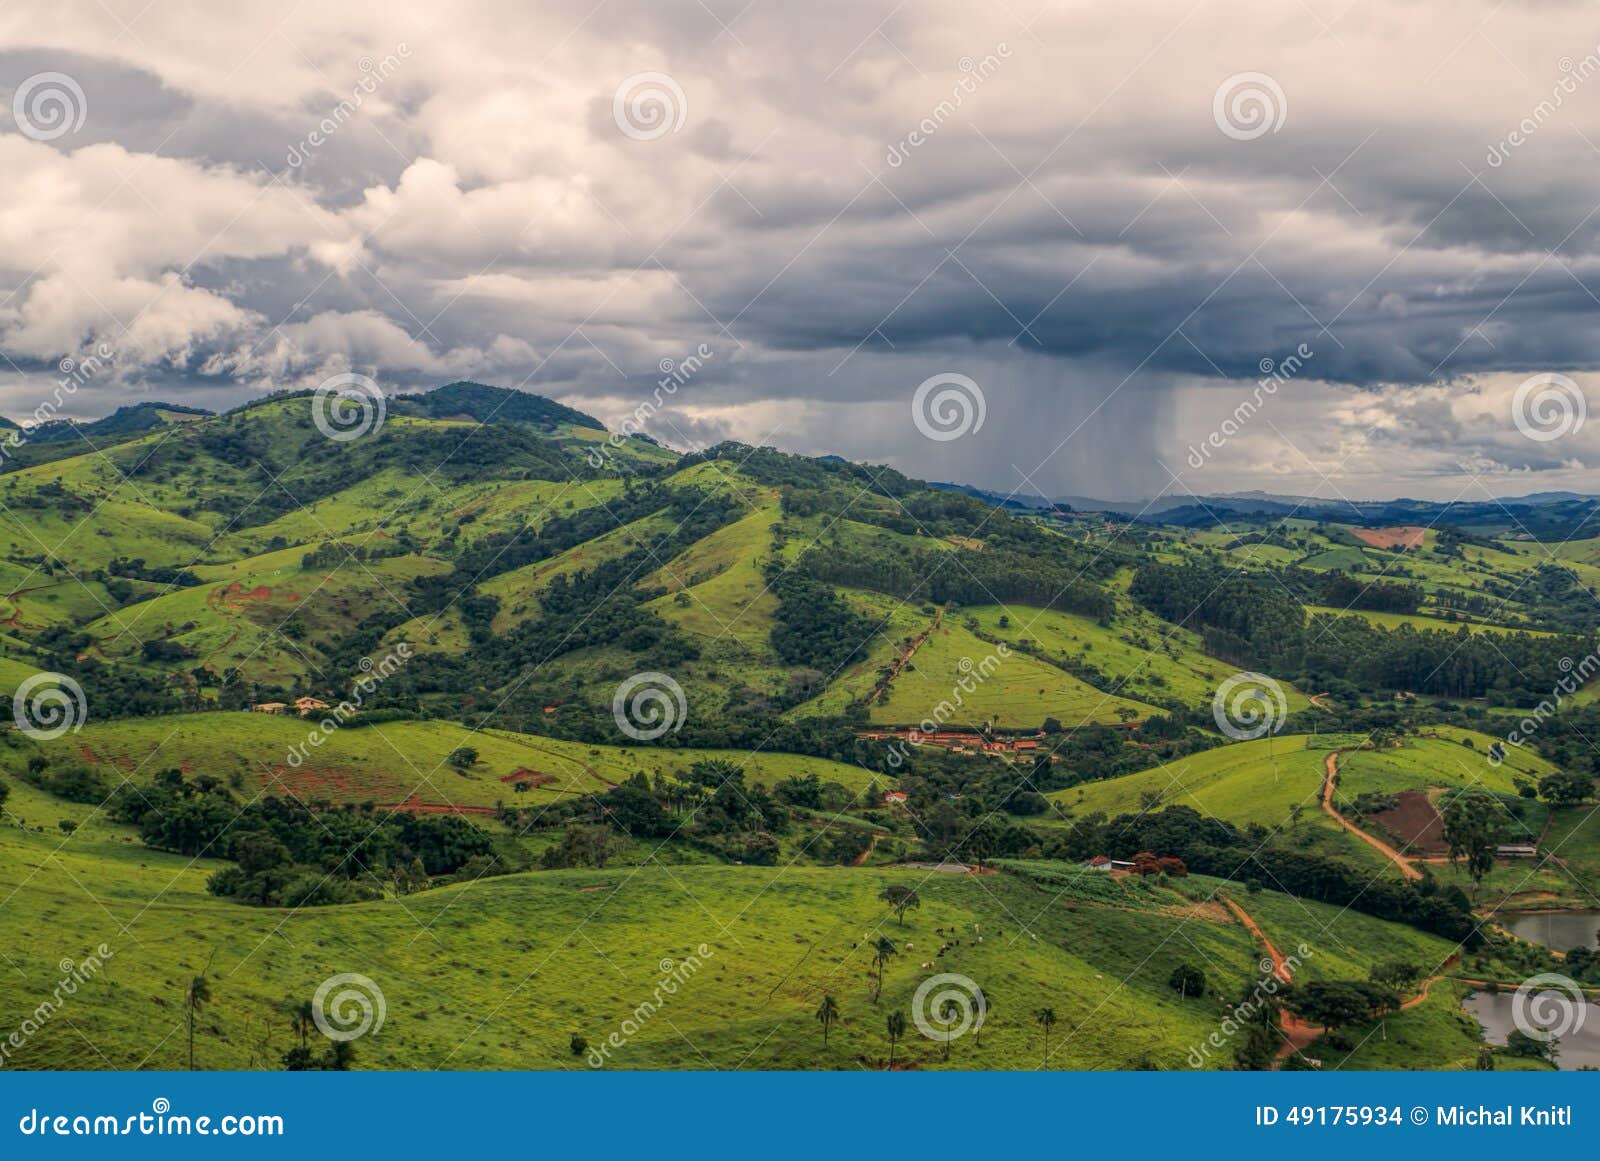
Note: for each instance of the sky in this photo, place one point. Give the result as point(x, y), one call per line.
point(1131, 250)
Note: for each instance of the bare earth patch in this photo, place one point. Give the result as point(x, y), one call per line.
point(1415, 823)
point(1400, 536)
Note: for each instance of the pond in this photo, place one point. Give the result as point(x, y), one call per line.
point(1558, 930)
point(1578, 1048)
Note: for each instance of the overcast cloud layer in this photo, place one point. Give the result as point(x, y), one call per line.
point(1109, 218)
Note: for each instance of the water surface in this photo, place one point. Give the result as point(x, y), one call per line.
point(1559, 930)
point(1577, 1049)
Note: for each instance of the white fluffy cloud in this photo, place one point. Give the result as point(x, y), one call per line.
point(858, 196)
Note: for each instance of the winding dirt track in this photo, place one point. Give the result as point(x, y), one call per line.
point(1330, 780)
point(1297, 1033)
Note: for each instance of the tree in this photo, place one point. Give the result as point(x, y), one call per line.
point(1485, 1059)
point(302, 1019)
point(899, 900)
point(1046, 1019)
point(195, 997)
point(827, 1013)
point(1396, 973)
point(462, 757)
point(577, 1044)
point(949, 1012)
point(1519, 1043)
point(1565, 787)
point(1336, 1004)
point(1474, 825)
point(881, 951)
point(1187, 980)
point(895, 1025)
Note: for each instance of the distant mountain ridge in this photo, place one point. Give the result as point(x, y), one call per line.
point(1539, 515)
point(130, 419)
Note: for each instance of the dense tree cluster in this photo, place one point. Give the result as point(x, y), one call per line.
point(289, 854)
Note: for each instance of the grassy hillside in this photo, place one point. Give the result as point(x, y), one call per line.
point(787, 609)
point(501, 973)
point(392, 762)
point(1021, 692)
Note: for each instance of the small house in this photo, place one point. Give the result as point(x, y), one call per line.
point(269, 707)
point(308, 705)
point(1516, 851)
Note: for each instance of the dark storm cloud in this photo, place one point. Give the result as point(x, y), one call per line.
point(858, 197)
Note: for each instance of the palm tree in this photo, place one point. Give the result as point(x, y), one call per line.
point(949, 1012)
point(302, 1019)
point(881, 951)
point(896, 1026)
point(196, 996)
point(1046, 1019)
point(827, 1013)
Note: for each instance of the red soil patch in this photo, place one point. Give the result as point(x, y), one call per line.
point(413, 806)
point(1400, 536)
point(1415, 823)
point(531, 777)
point(317, 782)
point(233, 595)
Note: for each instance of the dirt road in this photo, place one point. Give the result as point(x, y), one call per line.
point(1330, 781)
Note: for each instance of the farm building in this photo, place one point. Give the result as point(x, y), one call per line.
point(268, 707)
point(307, 705)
